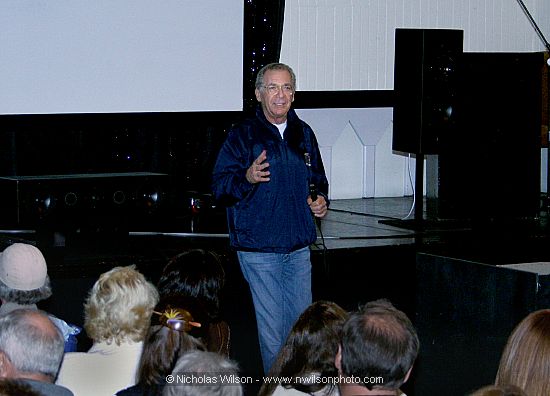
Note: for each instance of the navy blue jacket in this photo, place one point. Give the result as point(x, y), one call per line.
point(269, 216)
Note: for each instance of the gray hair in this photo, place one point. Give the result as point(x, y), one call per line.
point(200, 363)
point(29, 347)
point(274, 66)
point(26, 297)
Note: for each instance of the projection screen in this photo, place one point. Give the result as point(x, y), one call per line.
point(106, 56)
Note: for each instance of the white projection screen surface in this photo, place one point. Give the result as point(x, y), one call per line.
point(111, 56)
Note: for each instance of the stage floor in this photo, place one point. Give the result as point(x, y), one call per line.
point(355, 223)
point(350, 223)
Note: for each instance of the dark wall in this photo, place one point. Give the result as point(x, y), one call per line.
point(35, 149)
point(184, 145)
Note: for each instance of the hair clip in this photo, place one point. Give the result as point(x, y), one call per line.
point(177, 319)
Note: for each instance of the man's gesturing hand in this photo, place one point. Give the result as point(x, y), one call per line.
point(256, 173)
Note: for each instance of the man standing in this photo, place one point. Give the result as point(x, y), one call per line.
point(378, 348)
point(270, 175)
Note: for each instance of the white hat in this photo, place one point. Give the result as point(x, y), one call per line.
point(23, 267)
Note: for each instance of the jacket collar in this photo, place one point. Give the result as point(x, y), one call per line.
point(290, 118)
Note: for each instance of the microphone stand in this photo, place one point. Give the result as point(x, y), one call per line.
point(535, 26)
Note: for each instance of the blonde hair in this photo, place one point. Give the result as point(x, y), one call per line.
point(525, 361)
point(119, 306)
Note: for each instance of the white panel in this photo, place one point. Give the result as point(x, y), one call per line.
point(415, 12)
point(310, 36)
point(542, 17)
point(389, 180)
point(326, 155)
point(476, 31)
point(409, 175)
point(372, 46)
point(389, 29)
point(362, 48)
point(78, 56)
point(369, 171)
point(445, 14)
point(349, 44)
point(355, 54)
point(544, 170)
point(341, 38)
point(328, 124)
point(347, 165)
point(370, 125)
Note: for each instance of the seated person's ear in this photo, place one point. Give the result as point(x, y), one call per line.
point(5, 366)
point(338, 360)
point(407, 375)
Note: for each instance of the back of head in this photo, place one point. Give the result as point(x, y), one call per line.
point(219, 375)
point(310, 347)
point(496, 390)
point(525, 361)
point(198, 274)
point(168, 338)
point(31, 342)
point(23, 275)
point(119, 306)
point(379, 341)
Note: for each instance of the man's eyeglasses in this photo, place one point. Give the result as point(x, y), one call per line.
point(273, 89)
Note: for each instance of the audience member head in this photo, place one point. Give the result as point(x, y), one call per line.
point(13, 387)
point(199, 364)
point(496, 390)
point(23, 275)
point(167, 339)
point(197, 274)
point(310, 347)
point(525, 361)
point(378, 341)
point(31, 346)
point(119, 306)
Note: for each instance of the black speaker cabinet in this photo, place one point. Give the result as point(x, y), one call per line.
point(75, 201)
point(425, 84)
point(490, 168)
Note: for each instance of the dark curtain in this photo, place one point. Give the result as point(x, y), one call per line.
point(263, 32)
